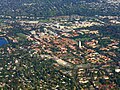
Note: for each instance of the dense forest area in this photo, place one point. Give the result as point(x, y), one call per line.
point(58, 7)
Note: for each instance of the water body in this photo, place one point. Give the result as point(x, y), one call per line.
point(3, 41)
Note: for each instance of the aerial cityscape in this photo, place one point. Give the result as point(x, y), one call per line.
point(60, 45)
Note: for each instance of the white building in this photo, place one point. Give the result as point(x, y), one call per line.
point(79, 44)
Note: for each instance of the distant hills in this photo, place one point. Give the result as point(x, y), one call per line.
point(59, 7)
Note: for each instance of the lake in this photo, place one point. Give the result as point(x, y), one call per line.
point(3, 41)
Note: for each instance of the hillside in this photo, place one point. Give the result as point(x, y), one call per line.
point(59, 7)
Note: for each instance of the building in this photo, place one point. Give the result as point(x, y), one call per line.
point(79, 44)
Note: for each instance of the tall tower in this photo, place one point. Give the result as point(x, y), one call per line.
point(79, 44)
